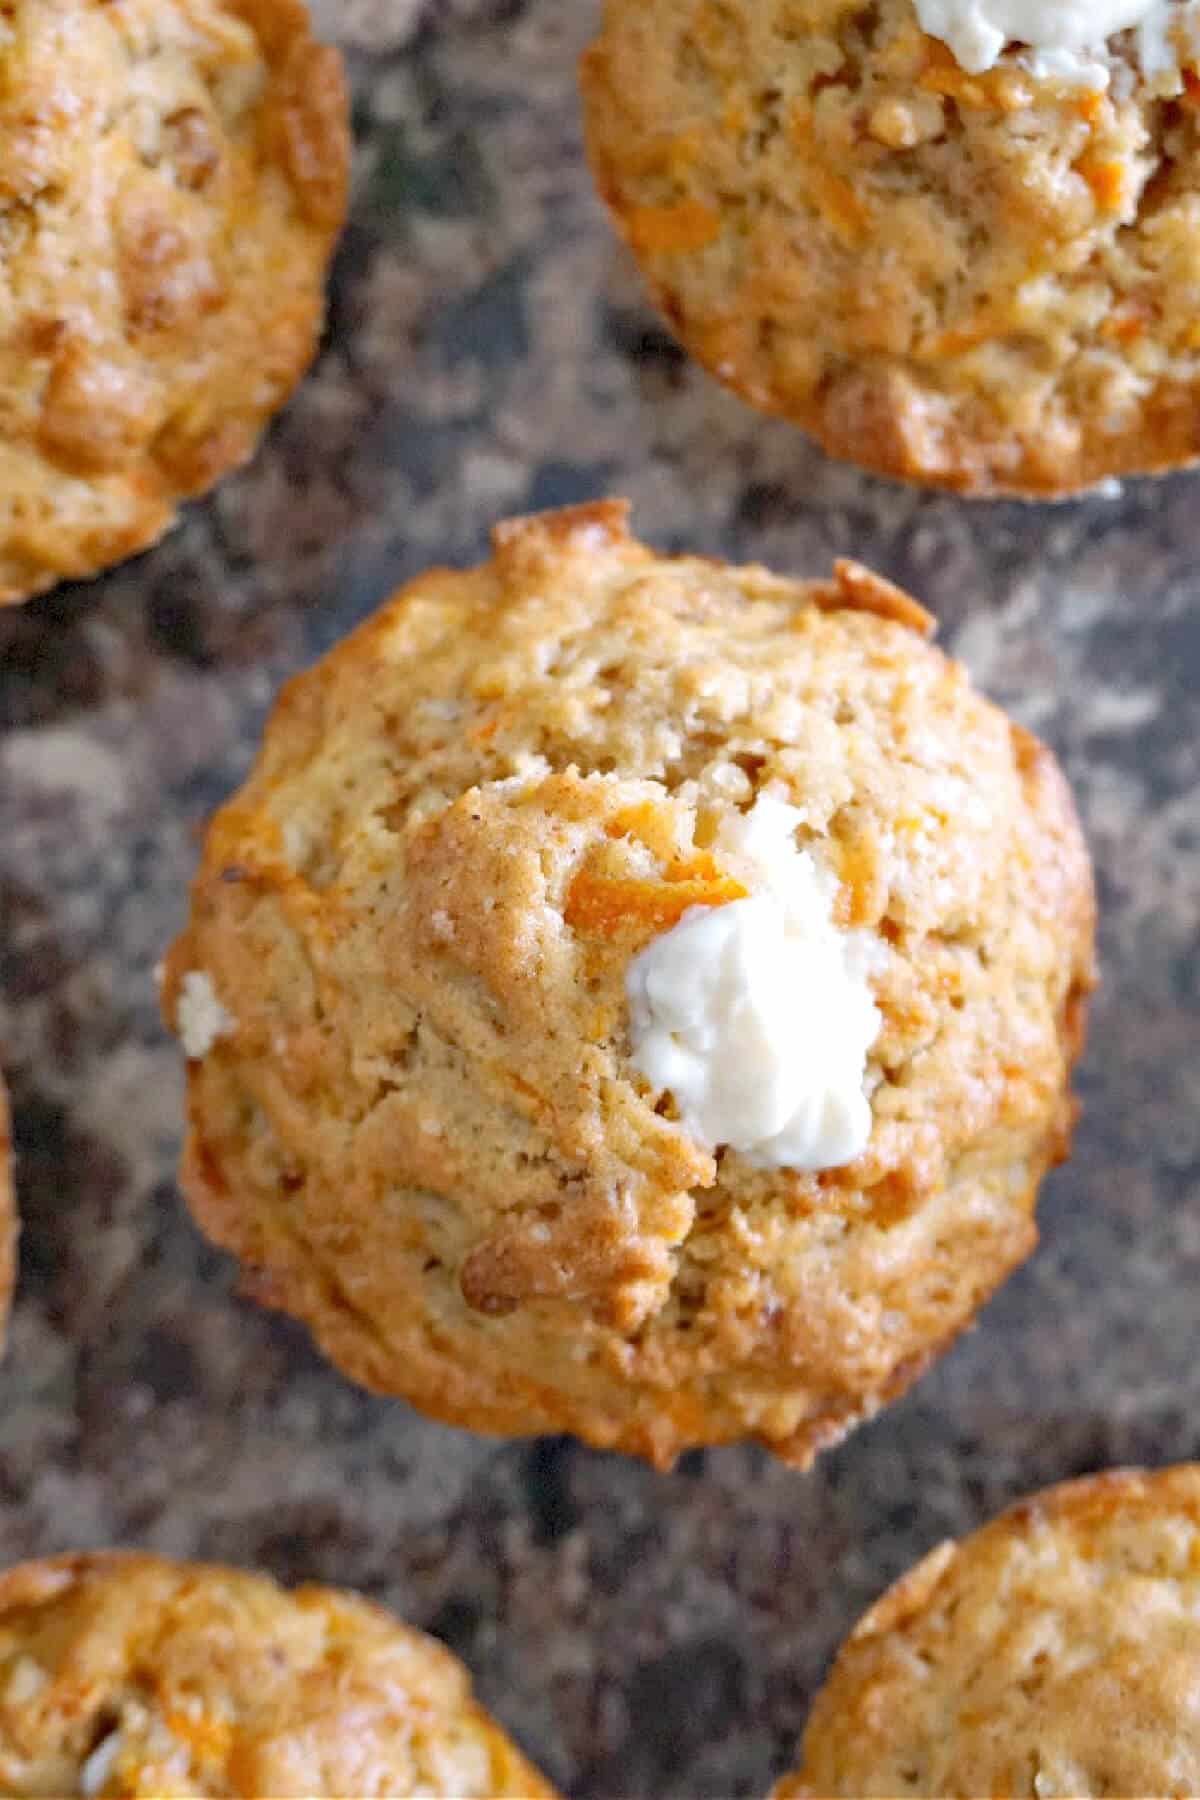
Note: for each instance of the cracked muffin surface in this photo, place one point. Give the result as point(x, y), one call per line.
point(986, 282)
point(126, 1675)
point(1055, 1652)
point(173, 175)
point(414, 1114)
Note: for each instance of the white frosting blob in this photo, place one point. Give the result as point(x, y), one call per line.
point(200, 1019)
point(1065, 38)
point(757, 1016)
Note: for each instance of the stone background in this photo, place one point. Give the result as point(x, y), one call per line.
point(489, 352)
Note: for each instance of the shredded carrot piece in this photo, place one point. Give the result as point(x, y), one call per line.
point(957, 338)
point(700, 867)
point(1106, 180)
point(203, 1733)
point(735, 116)
point(954, 85)
point(858, 898)
point(836, 201)
point(942, 75)
point(1090, 105)
point(840, 207)
point(1126, 326)
point(688, 225)
point(608, 905)
point(891, 1200)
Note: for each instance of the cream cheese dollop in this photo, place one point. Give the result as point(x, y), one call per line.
point(1063, 38)
point(200, 1018)
point(757, 1016)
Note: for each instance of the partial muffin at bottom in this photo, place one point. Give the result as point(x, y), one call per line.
point(1055, 1652)
point(133, 1675)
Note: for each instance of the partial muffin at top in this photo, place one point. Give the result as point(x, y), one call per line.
point(634, 996)
point(8, 1216)
point(173, 174)
point(1056, 1652)
point(124, 1675)
point(982, 277)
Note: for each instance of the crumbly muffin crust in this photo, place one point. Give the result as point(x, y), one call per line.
point(1057, 1651)
point(414, 1116)
point(173, 174)
point(8, 1216)
point(985, 282)
point(131, 1675)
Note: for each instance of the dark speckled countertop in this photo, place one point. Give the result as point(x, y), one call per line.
point(489, 352)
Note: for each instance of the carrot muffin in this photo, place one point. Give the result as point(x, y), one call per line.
point(130, 1675)
point(949, 255)
point(1055, 1652)
point(8, 1216)
point(634, 996)
point(173, 176)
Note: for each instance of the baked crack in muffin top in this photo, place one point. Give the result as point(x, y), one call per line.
point(129, 1675)
point(1055, 1652)
point(418, 1113)
point(173, 174)
point(985, 281)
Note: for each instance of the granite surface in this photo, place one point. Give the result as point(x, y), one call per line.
point(489, 351)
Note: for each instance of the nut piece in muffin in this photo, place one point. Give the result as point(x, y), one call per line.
point(173, 176)
point(1055, 1652)
point(981, 280)
point(489, 1079)
point(8, 1216)
point(129, 1674)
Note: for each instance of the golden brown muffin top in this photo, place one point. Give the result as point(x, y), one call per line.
point(172, 177)
point(414, 1113)
point(1055, 1652)
point(128, 1675)
point(982, 281)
